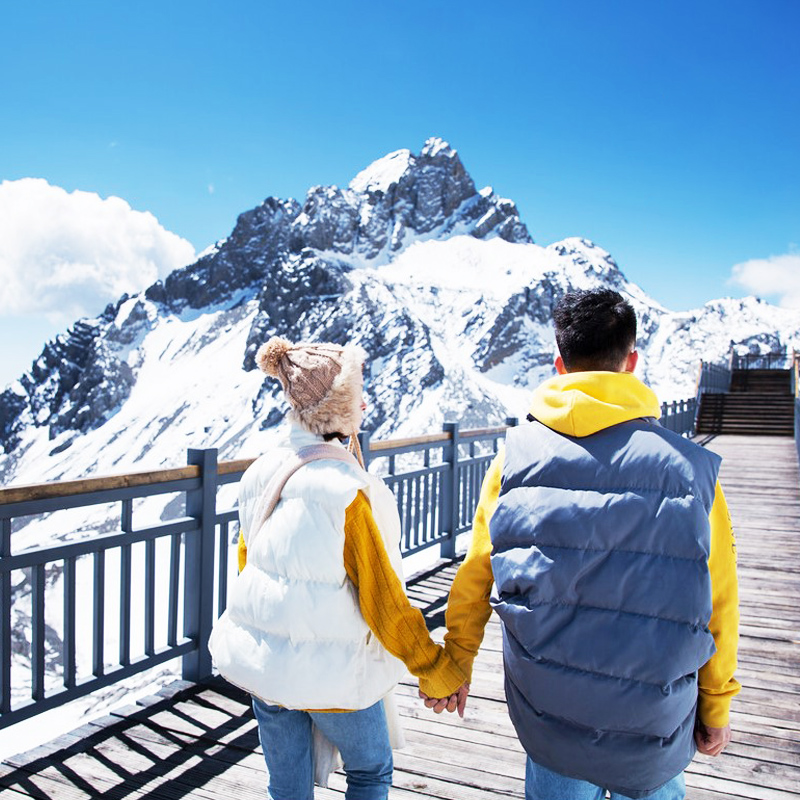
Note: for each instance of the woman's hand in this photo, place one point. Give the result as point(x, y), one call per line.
point(455, 702)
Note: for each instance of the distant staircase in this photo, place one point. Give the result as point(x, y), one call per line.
point(760, 402)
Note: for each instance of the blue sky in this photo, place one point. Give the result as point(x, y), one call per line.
point(665, 131)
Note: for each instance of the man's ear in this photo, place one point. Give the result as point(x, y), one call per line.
point(560, 368)
point(631, 361)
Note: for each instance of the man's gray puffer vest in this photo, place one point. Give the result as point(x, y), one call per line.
point(600, 551)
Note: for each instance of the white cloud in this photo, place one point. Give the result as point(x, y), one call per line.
point(773, 276)
point(68, 254)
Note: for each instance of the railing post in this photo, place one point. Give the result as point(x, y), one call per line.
point(698, 385)
point(797, 426)
point(5, 619)
point(198, 602)
point(448, 516)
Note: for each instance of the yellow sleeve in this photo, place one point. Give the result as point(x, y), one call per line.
point(468, 608)
point(241, 551)
point(399, 627)
point(715, 679)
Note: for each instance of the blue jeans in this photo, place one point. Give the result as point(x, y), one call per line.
point(361, 737)
point(543, 784)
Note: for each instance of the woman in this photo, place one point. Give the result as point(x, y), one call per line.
point(319, 628)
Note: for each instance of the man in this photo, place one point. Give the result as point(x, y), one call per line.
point(609, 546)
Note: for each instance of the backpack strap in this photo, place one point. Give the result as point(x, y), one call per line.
point(305, 455)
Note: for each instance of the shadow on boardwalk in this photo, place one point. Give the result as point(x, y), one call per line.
point(201, 741)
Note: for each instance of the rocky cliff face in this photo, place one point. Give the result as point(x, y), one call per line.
point(441, 283)
point(75, 384)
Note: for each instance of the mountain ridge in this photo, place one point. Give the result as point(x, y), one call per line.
point(440, 282)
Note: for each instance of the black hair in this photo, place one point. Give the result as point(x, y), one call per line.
point(329, 437)
point(595, 330)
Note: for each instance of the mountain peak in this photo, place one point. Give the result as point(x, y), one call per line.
point(383, 173)
point(435, 146)
point(390, 169)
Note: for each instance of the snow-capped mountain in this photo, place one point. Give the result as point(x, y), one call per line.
point(441, 283)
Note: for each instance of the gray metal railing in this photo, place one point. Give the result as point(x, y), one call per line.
point(765, 361)
point(796, 393)
point(176, 570)
point(797, 426)
point(713, 379)
point(679, 416)
point(436, 503)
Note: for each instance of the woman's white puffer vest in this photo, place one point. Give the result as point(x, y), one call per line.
point(293, 634)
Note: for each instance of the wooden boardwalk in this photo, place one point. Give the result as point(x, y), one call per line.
point(201, 741)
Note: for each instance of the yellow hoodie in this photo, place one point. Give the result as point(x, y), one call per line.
point(579, 404)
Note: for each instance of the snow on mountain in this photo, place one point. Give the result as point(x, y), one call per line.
point(439, 282)
point(681, 339)
point(383, 173)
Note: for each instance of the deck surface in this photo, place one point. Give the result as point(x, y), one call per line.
point(201, 741)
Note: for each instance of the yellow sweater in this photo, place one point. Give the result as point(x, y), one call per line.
point(399, 627)
point(579, 404)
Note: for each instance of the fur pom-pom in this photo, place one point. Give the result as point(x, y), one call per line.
point(270, 354)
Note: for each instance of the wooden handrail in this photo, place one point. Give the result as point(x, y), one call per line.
point(476, 432)
point(230, 467)
point(391, 444)
point(44, 491)
point(432, 438)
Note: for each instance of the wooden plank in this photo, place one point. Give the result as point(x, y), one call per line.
point(390, 444)
point(231, 467)
point(43, 491)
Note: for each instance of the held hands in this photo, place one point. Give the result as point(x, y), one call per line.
point(711, 741)
point(457, 701)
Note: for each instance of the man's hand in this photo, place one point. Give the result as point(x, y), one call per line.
point(711, 741)
point(457, 701)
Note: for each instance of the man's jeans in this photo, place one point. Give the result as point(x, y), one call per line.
point(542, 784)
point(361, 737)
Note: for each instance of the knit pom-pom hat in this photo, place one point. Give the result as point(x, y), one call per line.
point(321, 381)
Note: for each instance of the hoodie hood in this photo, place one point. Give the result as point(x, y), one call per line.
point(583, 403)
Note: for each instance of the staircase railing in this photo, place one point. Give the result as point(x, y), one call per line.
point(796, 393)
point(713, 379)
point(765, 361)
